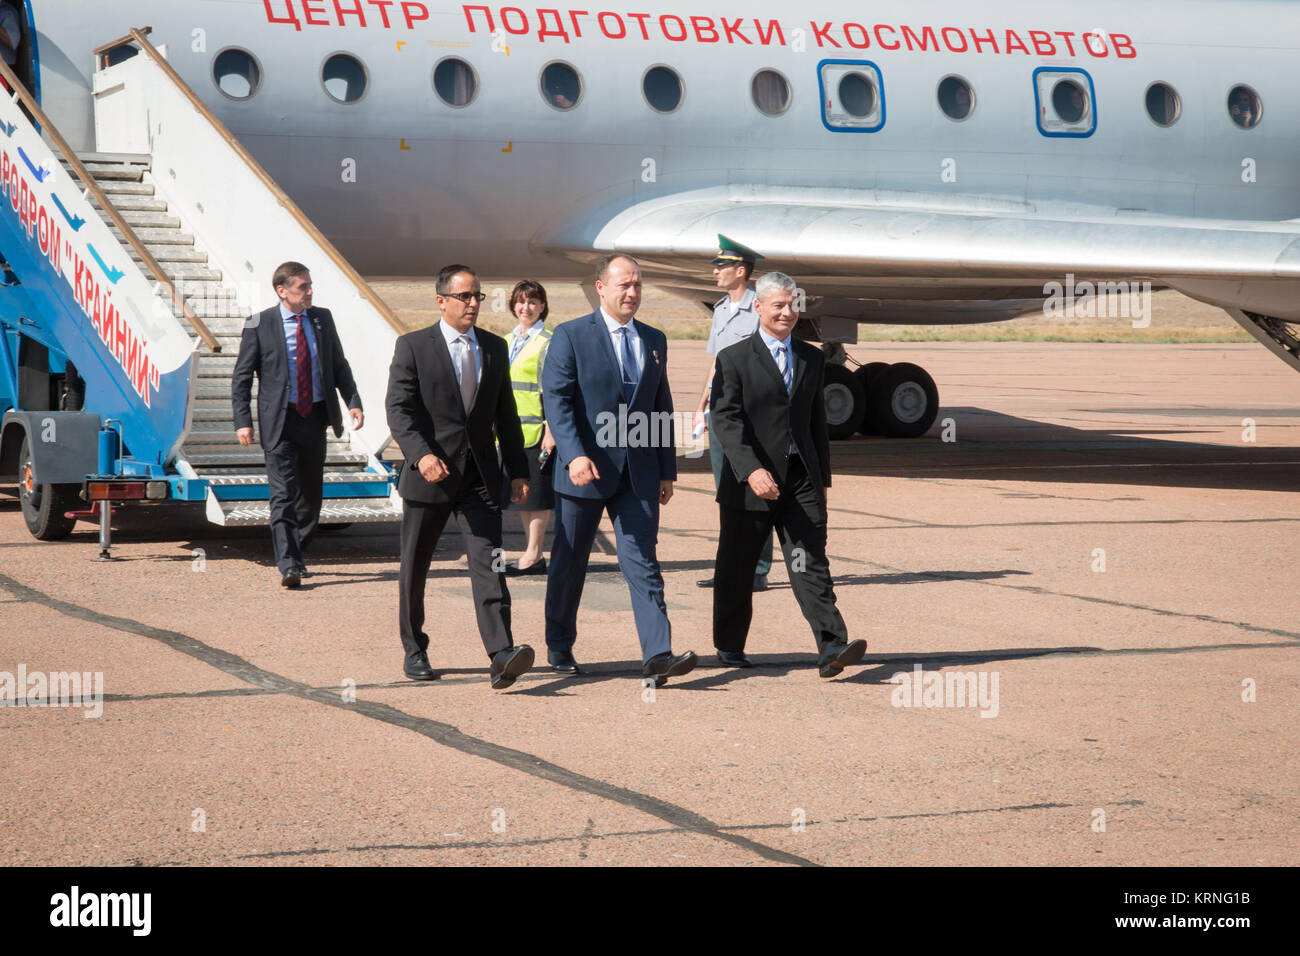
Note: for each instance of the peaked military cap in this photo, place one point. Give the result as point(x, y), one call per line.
point(731, 252)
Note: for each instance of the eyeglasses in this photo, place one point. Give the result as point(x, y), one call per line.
point(466, 297)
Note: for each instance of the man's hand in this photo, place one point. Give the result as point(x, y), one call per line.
point(701, 423)
point(245, 435)
point(665, 492)
point(548, 441)
point(358, 418)
point(582, 471)
point(762, 484)
point(432, 468)
point(518, 490)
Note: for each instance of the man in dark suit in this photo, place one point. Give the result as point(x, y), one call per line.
point(767, 411)
point(605, 385)
point(295, 352)
point(448, 390)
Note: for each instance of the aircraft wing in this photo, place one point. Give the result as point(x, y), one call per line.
point(900, 246)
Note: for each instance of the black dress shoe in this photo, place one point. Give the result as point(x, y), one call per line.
point(704, 583)
point(509, 664)
point(537, 567)
point(665, 665)
point(417, 666)
point(292, 578)
point(760, 582)
point(836, 657)
point(734, 659)
point(562, 662)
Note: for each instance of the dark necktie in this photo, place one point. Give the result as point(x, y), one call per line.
point(302, 359)
point(631, 372)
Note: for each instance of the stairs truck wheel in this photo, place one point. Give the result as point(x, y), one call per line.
point(44, 505)
point(846, 401)
point(905, 401)
point(868, 374)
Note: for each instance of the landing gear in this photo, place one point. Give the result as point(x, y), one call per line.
point(903, 401)
point(45, 506)
point(846, 401)
point(897, 401)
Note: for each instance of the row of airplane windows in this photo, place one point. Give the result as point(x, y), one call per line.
point(852, 101)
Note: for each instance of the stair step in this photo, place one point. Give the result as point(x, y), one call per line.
point(149, 236)
point(166, 254)
point(190, 272)
point(114, 172)
point(213, 456)
point(139, 159)
point(333, 511)
point(139, 219)
point(254, 478)
point(117, 187)
point(128, 202)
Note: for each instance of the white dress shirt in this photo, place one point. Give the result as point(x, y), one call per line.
point(454, 346)
point(616, 339)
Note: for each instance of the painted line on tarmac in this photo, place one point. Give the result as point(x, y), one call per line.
point(589, 833)
point(445, 734)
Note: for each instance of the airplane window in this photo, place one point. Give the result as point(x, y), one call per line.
point(561, 86)
point(771, 92)
point(956, 98)
point(1163, 104)
point(1069, 101)
point(454, 82)
point(1245, 107)
point(236, 73)
point(662, 88)
point(344, 78)
point(857, 94)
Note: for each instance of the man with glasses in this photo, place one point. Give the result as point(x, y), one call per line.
point(449, 392)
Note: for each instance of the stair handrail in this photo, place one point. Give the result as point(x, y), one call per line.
point(281, 196)
point(88, 181)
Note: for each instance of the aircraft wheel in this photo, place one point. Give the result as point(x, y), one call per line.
point(846, 401)
point(905, 401)
point(868, 374)
point(44, 505)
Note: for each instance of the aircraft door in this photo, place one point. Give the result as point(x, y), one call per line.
point(19, 52)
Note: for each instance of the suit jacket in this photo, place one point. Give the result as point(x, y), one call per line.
point(427, 416)
point(754, 418)
point(582, 386)
point(263, 350)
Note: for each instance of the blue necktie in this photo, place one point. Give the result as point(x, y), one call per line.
point(783, 364)
point(631, 373)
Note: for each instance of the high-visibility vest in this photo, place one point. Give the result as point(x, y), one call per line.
point(528, 391)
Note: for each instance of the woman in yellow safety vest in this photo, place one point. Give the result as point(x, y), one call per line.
point(528, 344)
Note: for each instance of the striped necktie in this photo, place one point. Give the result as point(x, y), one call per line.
point(783, 365)
point(302, 360)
